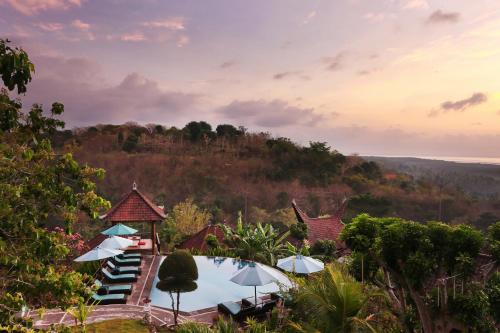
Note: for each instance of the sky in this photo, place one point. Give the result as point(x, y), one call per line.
point(372, 77)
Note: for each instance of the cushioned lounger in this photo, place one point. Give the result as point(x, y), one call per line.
point(235, 310)
point(112, 289)
point(118, 277)
point(123, 269)
point(108, 299)
point(127, 262)
point(129, 255)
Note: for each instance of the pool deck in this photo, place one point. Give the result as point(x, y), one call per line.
point(133, 309)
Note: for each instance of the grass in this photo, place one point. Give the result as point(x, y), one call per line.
point(116, 325)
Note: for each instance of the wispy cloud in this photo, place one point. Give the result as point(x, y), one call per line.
point(289, 74)
point(439, 16)
point(275, 113)
point(183, 41)
point(172, 23)
point(50, 26)
point(33, 7)
point(460, 105)
point(227, 64)
point(334, 63)
point(416, 4)
point(80, 25)
point(378, 17)
point(133, 37)
point(309, 17)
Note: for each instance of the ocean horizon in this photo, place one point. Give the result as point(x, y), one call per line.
point(457, 159)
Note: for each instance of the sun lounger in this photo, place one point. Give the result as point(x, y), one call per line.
point(236, 310)
point(118, 277)
point(112, 289)
point(123, 269)
point(108, 299)
point(129, 255)
point(127, 262)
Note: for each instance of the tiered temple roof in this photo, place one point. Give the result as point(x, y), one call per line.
point(328, 227)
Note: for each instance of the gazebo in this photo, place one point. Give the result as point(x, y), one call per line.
point(135, 207)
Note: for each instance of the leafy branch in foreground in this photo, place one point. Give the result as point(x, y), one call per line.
point(37, 187)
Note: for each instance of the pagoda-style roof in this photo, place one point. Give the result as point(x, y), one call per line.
point(328, 227)
point(198, 240)
point(134, 207)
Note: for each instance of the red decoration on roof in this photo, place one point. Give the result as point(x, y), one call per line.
point(198, 240)
point(134, 207)
point(318, 228)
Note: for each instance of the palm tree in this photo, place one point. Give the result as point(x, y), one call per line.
point(332, 301)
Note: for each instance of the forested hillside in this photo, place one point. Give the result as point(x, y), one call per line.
point(228, 169)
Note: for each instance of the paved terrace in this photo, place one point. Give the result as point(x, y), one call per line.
point(134, 307)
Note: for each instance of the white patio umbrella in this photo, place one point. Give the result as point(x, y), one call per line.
point(255, 275)
point(99, 253)
point(300, 264)
point(116, 242)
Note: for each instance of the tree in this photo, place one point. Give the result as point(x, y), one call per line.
point(37, 185)
point(185, 219)
point(177, 274)
point(420, 261)
point(256, 242)
point(130, 144)
point(332, 301)
point(197, 130)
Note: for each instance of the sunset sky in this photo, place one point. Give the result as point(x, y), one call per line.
point(386, 77)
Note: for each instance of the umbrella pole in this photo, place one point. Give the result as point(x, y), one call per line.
point(255, 295)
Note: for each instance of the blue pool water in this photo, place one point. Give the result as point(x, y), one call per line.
point(214, 286)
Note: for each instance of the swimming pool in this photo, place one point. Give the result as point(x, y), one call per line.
point(214, 286)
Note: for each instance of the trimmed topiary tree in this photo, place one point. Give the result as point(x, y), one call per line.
point(177, 274)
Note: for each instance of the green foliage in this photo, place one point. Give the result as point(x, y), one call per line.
point(369, 170)
point(472, 309)
point(198, 130)
point(36, 185)
point(313, 165)
point(493, 292)
point(325, 248)
point(179, 266)
point(228, 131)
point(299, 231)
point(212, 241)
point(494, 239)
point(332, 301)
point(15, 67)
point(362, 267)
point(130, 144)
point(261, 242)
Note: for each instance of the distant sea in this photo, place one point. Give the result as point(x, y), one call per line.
point(482, 160)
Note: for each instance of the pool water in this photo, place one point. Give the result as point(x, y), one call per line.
point(214, 286)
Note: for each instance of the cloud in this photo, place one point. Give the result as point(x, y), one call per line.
point(461, 105)
point(33, 7)
point(378, 17)
point(80, 25)
point(334, 63)
point(309, 17)
point(269, 114)
point(80, 84)
point(183, 41)
point(416, 4)
point(227, 64)
point(439, 16)
point(133, 37)
point(50, 26)
point(290, 74)
point(172, 23)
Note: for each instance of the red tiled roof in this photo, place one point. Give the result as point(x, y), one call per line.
point(134, 207)
point(320, 227)
point(197, 241)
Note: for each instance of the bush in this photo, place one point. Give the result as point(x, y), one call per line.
point(324, 247)
point(179, 266)
point(299, 231)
